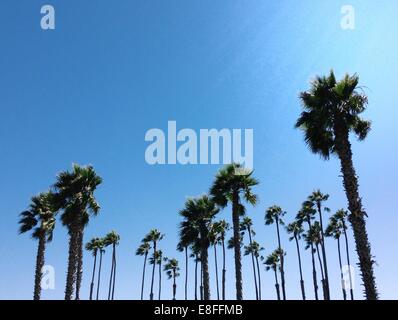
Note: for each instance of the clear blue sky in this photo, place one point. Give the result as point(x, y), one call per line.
point(88, 91)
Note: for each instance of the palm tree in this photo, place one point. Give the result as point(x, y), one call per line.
point(112, 239)
point(196, 255)
point(313, 238)
point(153, 237)
point(273, 262)
point(334, 229)
point(332, 111)
point(41, 219)
point(273, 215)
point(342, 216)
point(220, 228)
point(93, 246)
point(338, 221)
point(232, 183)
point(75, 197)
point(172, 271)
point(156, 259)
point(143, 250)
point(317, 197)
point(254, 250)
point(101, 246)
point(246, 225)
point(215, 241)
point(198, 213)
point(307, 214)
point(296, 230)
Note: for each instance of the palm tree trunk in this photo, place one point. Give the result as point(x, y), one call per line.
point(79, 267)
point(322, 273)
point(143, 276)
point(153, 271)
point(186, 273)
point(201, 279)
point(348, 261)
point(92, 278)
point(73, 253)
point(236, 241)
point(111, 279)
point(278, 293)
point(216, 266)
point(224, 271)
point(300, 268)
point(99, 274)
point(114, 271)
point(259, 278)
point(196, 277)
point(356, 218)
point(39, 266)
point(160, 279)
point(314, 277)
point(341, 271)
point(253, 265)
point(282, 260)
point(174, 286)
point(324, 253)
point(204, 254)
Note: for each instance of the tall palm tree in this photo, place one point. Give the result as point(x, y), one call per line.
point(214, 241)
point(153, 237)
point(75, 197)
point(231, 185)
point(317, 197)
point(112, 239)
point(196, 256)
point(156, 259)
point(172, 271)
point(220, 228)
point(246, 225)
point(313, 241)
point(334, 229)
point(41, 219)
point(273, 215)
point(101, 246)
point(143, 250)
point(332, 110)
point(188, 237)
point(342, 216)
point(199, 213)
point(256, 249)
point(296, 230)
point(272, 262)
point(307, 214)
point(93, 246)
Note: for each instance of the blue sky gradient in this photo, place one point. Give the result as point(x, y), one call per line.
point(88, 91)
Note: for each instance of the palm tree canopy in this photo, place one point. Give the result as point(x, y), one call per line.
point(273, 213)
point(75, 194)
point(40, 217)
point(156, 257)
point(143, 249)
point(336, 224)
point(295, 229)
point(328, 102)
point(231, 179)
point(253, 248)
point(198, 214)
point(94, 245)
point(153, 236)
point(112, 238)
point(171, 267)
point(272, 261)
point(307, 212)
point(313, 235)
